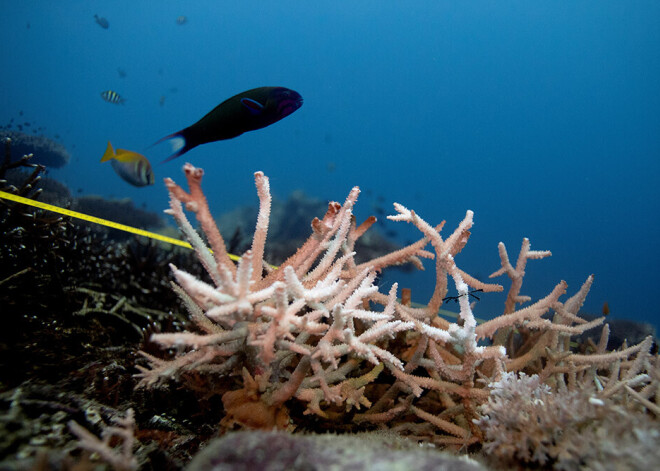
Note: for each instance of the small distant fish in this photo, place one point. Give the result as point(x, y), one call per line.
point(102, 22)
point(161, 101)
point(131, 166)
point(181, 20)
point(247, 111)
point(112, 97)
point(121, 72)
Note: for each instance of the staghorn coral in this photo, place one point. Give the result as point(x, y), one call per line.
point(314, 342)
point(265, 322)
point(589, 411)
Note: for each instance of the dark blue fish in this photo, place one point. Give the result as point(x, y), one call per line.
point(112, 97)
point(247, 111)
point(102, 22)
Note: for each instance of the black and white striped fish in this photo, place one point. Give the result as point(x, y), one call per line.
point(112, 97)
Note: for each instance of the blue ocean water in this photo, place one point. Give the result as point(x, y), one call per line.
point(541, 117)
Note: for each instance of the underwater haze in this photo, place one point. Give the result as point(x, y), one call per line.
point(542, 117)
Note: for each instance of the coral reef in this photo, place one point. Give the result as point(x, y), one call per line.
point(311, 346)
point(47, 152)
point(314, 345)
point(291, 288)
point(76, 305)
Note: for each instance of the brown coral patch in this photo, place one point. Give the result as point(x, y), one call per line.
point(246, 409)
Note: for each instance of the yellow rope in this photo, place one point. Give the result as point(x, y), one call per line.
point(103, 222)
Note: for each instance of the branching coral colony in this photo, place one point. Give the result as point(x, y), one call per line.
point(315, 336)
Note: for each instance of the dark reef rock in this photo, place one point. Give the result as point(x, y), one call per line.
point(122, 211)
point(52, 191)
point(628, 331)
point(77, 303)
point(46, 151)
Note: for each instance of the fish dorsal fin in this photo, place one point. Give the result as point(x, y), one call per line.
point(109, 153)
point(253, 106)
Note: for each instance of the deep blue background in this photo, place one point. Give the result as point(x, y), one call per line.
point(542, 117)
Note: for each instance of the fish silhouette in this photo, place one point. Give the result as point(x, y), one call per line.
point(247, 111)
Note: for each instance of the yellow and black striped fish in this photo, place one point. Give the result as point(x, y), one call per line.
point(112, 97)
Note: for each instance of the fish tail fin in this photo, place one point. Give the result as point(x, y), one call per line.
point(109, 153)
point(179, 143)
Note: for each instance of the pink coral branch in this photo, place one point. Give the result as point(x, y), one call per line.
point(535, 311)
point(195, 201)
point(261, 230)
point(516, 274)
point(401, 256)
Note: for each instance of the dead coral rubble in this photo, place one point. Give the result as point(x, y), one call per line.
point(314, 342)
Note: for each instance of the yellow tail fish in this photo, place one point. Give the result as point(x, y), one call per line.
point(131, 166)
